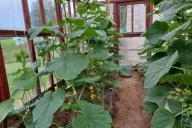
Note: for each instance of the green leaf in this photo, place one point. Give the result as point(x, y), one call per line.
point(157, 94)
point(68, 66)
point(115, 41)
point(179, 45)
point(157, 56)
point(75, 21)
point(155, 2)
point(25, 81)
point(162, 119)
point(184, 49)
point(150, 107)
point(169, 35)
point(77, 33)
point(175, 106)
point(178, 78)
point(90, 32)
point(5, 108)
point(46, 107)
point(100, 53)
point(93, 116)
point(36, 31)
point(115, 83)
point(81, 8)
point(157, 30)
point(185, 58)
point(126, 71)
point(110, 67)
point(166, 4)
point(170, 13)
point(29, 123)
point(88, 80)
point(177, 124)
point(158, 69)
point(101, 33)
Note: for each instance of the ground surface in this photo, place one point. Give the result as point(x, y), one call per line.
point(129, 108)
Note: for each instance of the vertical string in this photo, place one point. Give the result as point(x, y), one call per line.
point(108, 7)
point(13, 18)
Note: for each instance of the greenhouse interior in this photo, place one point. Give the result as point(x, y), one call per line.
point(96, 64)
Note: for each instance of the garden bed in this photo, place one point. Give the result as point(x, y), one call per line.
point(128, 106)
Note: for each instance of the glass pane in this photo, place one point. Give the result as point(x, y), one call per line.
point(10, 47)
point(67, 9)
point(125, 18)
point(139, 18)
point(50, 13)
point(11, 15)
point(111, 11)
point(129, 48)
point(34, 11)
point(72, 9)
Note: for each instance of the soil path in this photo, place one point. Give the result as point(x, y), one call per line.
point(129, 108)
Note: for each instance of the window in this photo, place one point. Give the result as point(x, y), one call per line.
point(132, 18)
point(34, 11)
point(50, 13)
point(11, 15)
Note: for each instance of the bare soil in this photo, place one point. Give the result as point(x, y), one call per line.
point(129, 109)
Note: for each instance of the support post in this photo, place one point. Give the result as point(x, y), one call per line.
point(149, 19)
point(4, 87)
point(30, 42)
point(74, 8)
point(43, 22)
point(59, 17)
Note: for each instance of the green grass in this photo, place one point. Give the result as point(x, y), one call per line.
point(11, 68)
point(10, 49)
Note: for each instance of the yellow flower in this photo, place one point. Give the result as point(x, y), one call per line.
point(56, 87)
point(91, 87)
point(93, 96)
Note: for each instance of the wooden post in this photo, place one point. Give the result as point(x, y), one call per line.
point(4, 87)
point(74, 8)
point(69, 8)
point(117, 22)
point(43, 22)
point(149, 19)
point(30, 42)
point(59, 17)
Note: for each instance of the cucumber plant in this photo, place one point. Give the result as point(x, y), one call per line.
point(168, 75)
point(84, 58)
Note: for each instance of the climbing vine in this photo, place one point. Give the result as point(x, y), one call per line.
point(84, 60)
point(168, 73)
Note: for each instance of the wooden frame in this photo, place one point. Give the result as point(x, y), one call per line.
point(117, 4)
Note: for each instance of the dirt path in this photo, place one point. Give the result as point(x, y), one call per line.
point(129, 108)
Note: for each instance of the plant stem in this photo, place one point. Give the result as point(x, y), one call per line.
point(81, 93)
point(190, 108)
point(182, 69)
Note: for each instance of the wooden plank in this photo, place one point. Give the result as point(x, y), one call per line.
point(12, 33)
